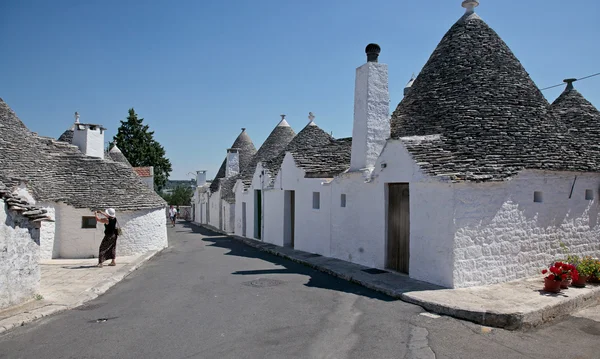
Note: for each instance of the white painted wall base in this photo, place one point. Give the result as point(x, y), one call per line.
point(502, 234)
point(19, 258)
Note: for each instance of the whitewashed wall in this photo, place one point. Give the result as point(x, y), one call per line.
point(502, 234)
point(214, 201)
point(240, 197)
point(274, 216)
point(359, 231)
point(228, 211)
point(49, 247)
point(143, 230)
point(74, 241)
point(19, 258)
point(148, 181)
point(270, 210)
point(201, 207)
point(312, 227)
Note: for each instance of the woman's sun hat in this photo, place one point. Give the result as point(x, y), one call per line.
point(110, 212)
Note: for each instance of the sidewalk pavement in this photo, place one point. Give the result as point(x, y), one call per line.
point(67, 284)
point(513, 305)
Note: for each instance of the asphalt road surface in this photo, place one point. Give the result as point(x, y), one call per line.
point(209, 296)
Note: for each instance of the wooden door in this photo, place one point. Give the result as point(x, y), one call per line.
point(289, 205)
point(292, 217)
point(398, 241)
point(257, 214)
point(244, 219)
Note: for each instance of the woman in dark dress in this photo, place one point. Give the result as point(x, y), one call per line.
point(108, 247)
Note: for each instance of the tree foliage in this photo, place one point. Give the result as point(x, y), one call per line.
point(141, 149)
point(181, 196)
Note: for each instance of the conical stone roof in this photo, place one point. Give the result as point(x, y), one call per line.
point(116, 155)
point(311, 136)
point(577, 113)
point(473, 112)
point(246, 151)
point(56, 171)
point(279, 138)
point(67, 136)
point(582, 120)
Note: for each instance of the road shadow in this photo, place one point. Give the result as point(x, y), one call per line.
point(316, 279)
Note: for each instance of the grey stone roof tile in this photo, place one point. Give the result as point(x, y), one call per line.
point(67, 136)
point(57, 171)
point(116, 155)
point(325, 161)
point(310, 137)
point(276, 142)
point(246, 151)
point(487, 117)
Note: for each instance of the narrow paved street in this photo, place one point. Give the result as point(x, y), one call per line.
point(209, 296)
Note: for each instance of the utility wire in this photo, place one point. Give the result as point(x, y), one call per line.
point(583, 78)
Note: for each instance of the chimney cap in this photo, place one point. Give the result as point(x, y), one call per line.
point(470, 5)
point(372, 50)
point(569, 83)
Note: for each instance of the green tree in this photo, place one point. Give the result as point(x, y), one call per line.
point(141, 149)
point(181, 196)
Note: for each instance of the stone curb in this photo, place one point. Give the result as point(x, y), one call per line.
point(89, 294)
point(508, 321)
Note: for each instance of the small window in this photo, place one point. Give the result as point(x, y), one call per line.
point(537, 197)
point(343, 200)
point(589, 194)
point(316, 200)
point(88, 222)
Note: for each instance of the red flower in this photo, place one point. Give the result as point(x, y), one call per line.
point(564, 276)
point(551, 277)
point(544, 271)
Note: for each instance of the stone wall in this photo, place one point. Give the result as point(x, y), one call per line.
point(502, 234)
point(19, 258)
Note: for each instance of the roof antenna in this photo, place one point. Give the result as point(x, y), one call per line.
point(569, 83)
point(470, 5)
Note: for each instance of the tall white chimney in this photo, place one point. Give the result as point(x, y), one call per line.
point(232, 167)
point(200, 178)
point(371, 111)
point(89, 138)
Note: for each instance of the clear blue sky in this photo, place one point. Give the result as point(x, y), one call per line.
point(198, 71)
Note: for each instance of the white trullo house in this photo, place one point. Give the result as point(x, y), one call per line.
point(475, 179)
point(210, 206)
point(69, 180)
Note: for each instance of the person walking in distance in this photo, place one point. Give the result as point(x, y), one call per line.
point(172, 215)
point(108, 247)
